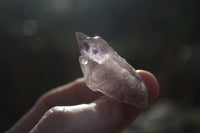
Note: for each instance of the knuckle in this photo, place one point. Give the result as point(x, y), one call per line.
point(45, 100)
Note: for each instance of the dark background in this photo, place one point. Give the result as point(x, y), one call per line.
point(38, 52)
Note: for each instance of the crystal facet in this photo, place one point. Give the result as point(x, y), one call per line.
point(105, 71)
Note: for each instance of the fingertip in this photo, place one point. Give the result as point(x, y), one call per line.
point(108, 107)
point(152, 84)
point(109, 112)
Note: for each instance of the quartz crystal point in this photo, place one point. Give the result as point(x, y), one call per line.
point(105, 71)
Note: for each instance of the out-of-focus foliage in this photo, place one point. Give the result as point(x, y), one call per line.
point(38, 50)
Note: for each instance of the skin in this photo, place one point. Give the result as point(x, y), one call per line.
point(75, 108)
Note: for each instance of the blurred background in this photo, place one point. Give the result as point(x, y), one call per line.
point(38, 52)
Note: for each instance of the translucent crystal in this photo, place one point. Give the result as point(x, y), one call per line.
point(105, 71)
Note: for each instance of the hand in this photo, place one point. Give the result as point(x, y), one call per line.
point(75, 108)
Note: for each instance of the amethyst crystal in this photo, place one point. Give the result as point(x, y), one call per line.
point(105, 71)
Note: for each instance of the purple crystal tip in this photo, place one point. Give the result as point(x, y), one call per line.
point(80, 36)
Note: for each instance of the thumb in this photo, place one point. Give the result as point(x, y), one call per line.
point(102, 115)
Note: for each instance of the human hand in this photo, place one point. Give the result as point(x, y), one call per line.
point(75, 108)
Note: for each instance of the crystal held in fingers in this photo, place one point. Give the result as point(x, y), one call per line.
point(105, 71)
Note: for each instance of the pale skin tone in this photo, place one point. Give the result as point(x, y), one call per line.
point(75, 108)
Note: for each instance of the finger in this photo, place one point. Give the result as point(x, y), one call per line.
point(73, 93)
point(91, 120)
point(131, 112)
point(152, 84)
point(100, 116)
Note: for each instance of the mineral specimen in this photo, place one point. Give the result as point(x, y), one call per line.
point(105, 71)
